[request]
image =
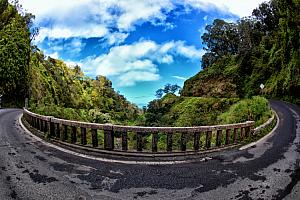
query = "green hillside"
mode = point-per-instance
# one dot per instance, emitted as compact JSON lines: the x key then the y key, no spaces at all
{"x":61,"y":91}
{"x":261,"y":49}
{"x":172,"y":110}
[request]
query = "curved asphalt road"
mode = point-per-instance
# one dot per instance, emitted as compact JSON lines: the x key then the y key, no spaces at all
{"x":270,"y":170}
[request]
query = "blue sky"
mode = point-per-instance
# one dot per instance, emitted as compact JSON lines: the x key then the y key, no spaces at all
{"x":140,"y":45}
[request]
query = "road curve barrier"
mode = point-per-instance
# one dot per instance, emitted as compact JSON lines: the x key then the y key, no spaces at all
{"x":112,"y":141}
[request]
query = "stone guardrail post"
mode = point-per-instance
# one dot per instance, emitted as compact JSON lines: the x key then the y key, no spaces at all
{"x":108,"y":137}
{"x":52,"y":128}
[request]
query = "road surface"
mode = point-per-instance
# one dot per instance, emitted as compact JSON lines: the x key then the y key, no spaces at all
{"x":30,"y":169}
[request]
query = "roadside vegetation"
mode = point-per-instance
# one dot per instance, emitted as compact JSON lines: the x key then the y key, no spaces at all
{"x":15,"y":38}
{"x":255,"y":109}
{"x":172,"y":110}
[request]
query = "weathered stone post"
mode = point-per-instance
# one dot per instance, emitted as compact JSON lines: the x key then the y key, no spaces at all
{"x":208,"y":139}
{"x":108,"y":137}
{"x":139,"y":141}
{"x":247,"y":131}
{"x":219,"y":138}
{"x":227,"y":141}
{"x":45,"y":126}
{"x":242,"y":136}
{"x":83,"y":136}
{"x":124,"y":141}
{"x":94,"y":137}
{"x":74,"y":135}
{"x":154,"y":142}
{"x":235,"y":135}
{"x":52,"y":128}
{"x":57,"y":131}
{"x":196,"y":141}
{"x":65,"y":136}
{"x":169,"y":142}
{"x":183,"y":142}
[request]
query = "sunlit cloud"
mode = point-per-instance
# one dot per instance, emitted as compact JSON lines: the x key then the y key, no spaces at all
{"x":139,"y":62}
{"x":96,"y":18}
{"x":240,"y":8}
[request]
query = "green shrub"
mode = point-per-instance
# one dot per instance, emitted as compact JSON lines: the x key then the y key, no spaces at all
{"x":255,"y":109}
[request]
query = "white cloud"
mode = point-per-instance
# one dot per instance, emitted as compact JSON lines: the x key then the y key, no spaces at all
{"x":116,"y":38}
{"x":189,"y":51}
{"x":179,"y":77}
{"x":166,"y":59}
{"x":95,"y":18}
{"x":240,"y":8}
{"x":64,"y":32}
{"x":138,"y":62}
{"x":126,"y":58}
{"x":146,"y":10}
{"x":131,"y":77}
{"x":179,"y":48}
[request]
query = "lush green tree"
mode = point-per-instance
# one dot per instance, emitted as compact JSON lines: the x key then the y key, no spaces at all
{"x":168,"y":89}
{"x":3,"y":5}
{"x":249,"y":34}
{"x":14,"y":54}
{"x":159,"y":93}
{"x":267,"y":16}
{"x":221,"y":38}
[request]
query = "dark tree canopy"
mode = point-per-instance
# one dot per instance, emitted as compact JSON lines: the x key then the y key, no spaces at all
{"x":221,"y":38}
{"x":168,"y":88}
{"x":3,"y":5}
{"x":267,"y":16}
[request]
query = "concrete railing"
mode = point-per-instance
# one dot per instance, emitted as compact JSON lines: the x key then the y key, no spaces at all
{"x":202,"y":137}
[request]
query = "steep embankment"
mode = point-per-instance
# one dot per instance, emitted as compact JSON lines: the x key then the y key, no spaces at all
{"x":261,"y":49}
{"x":61,"y":91}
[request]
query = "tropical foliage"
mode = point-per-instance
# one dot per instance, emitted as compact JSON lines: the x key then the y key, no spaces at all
{"x":254,"y":109}
{"x":172,"y":110}
{"x":14,"y":53}
{"x":168,"y":88}
{"x":61,"y":91}
{"x":263,"y":48}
